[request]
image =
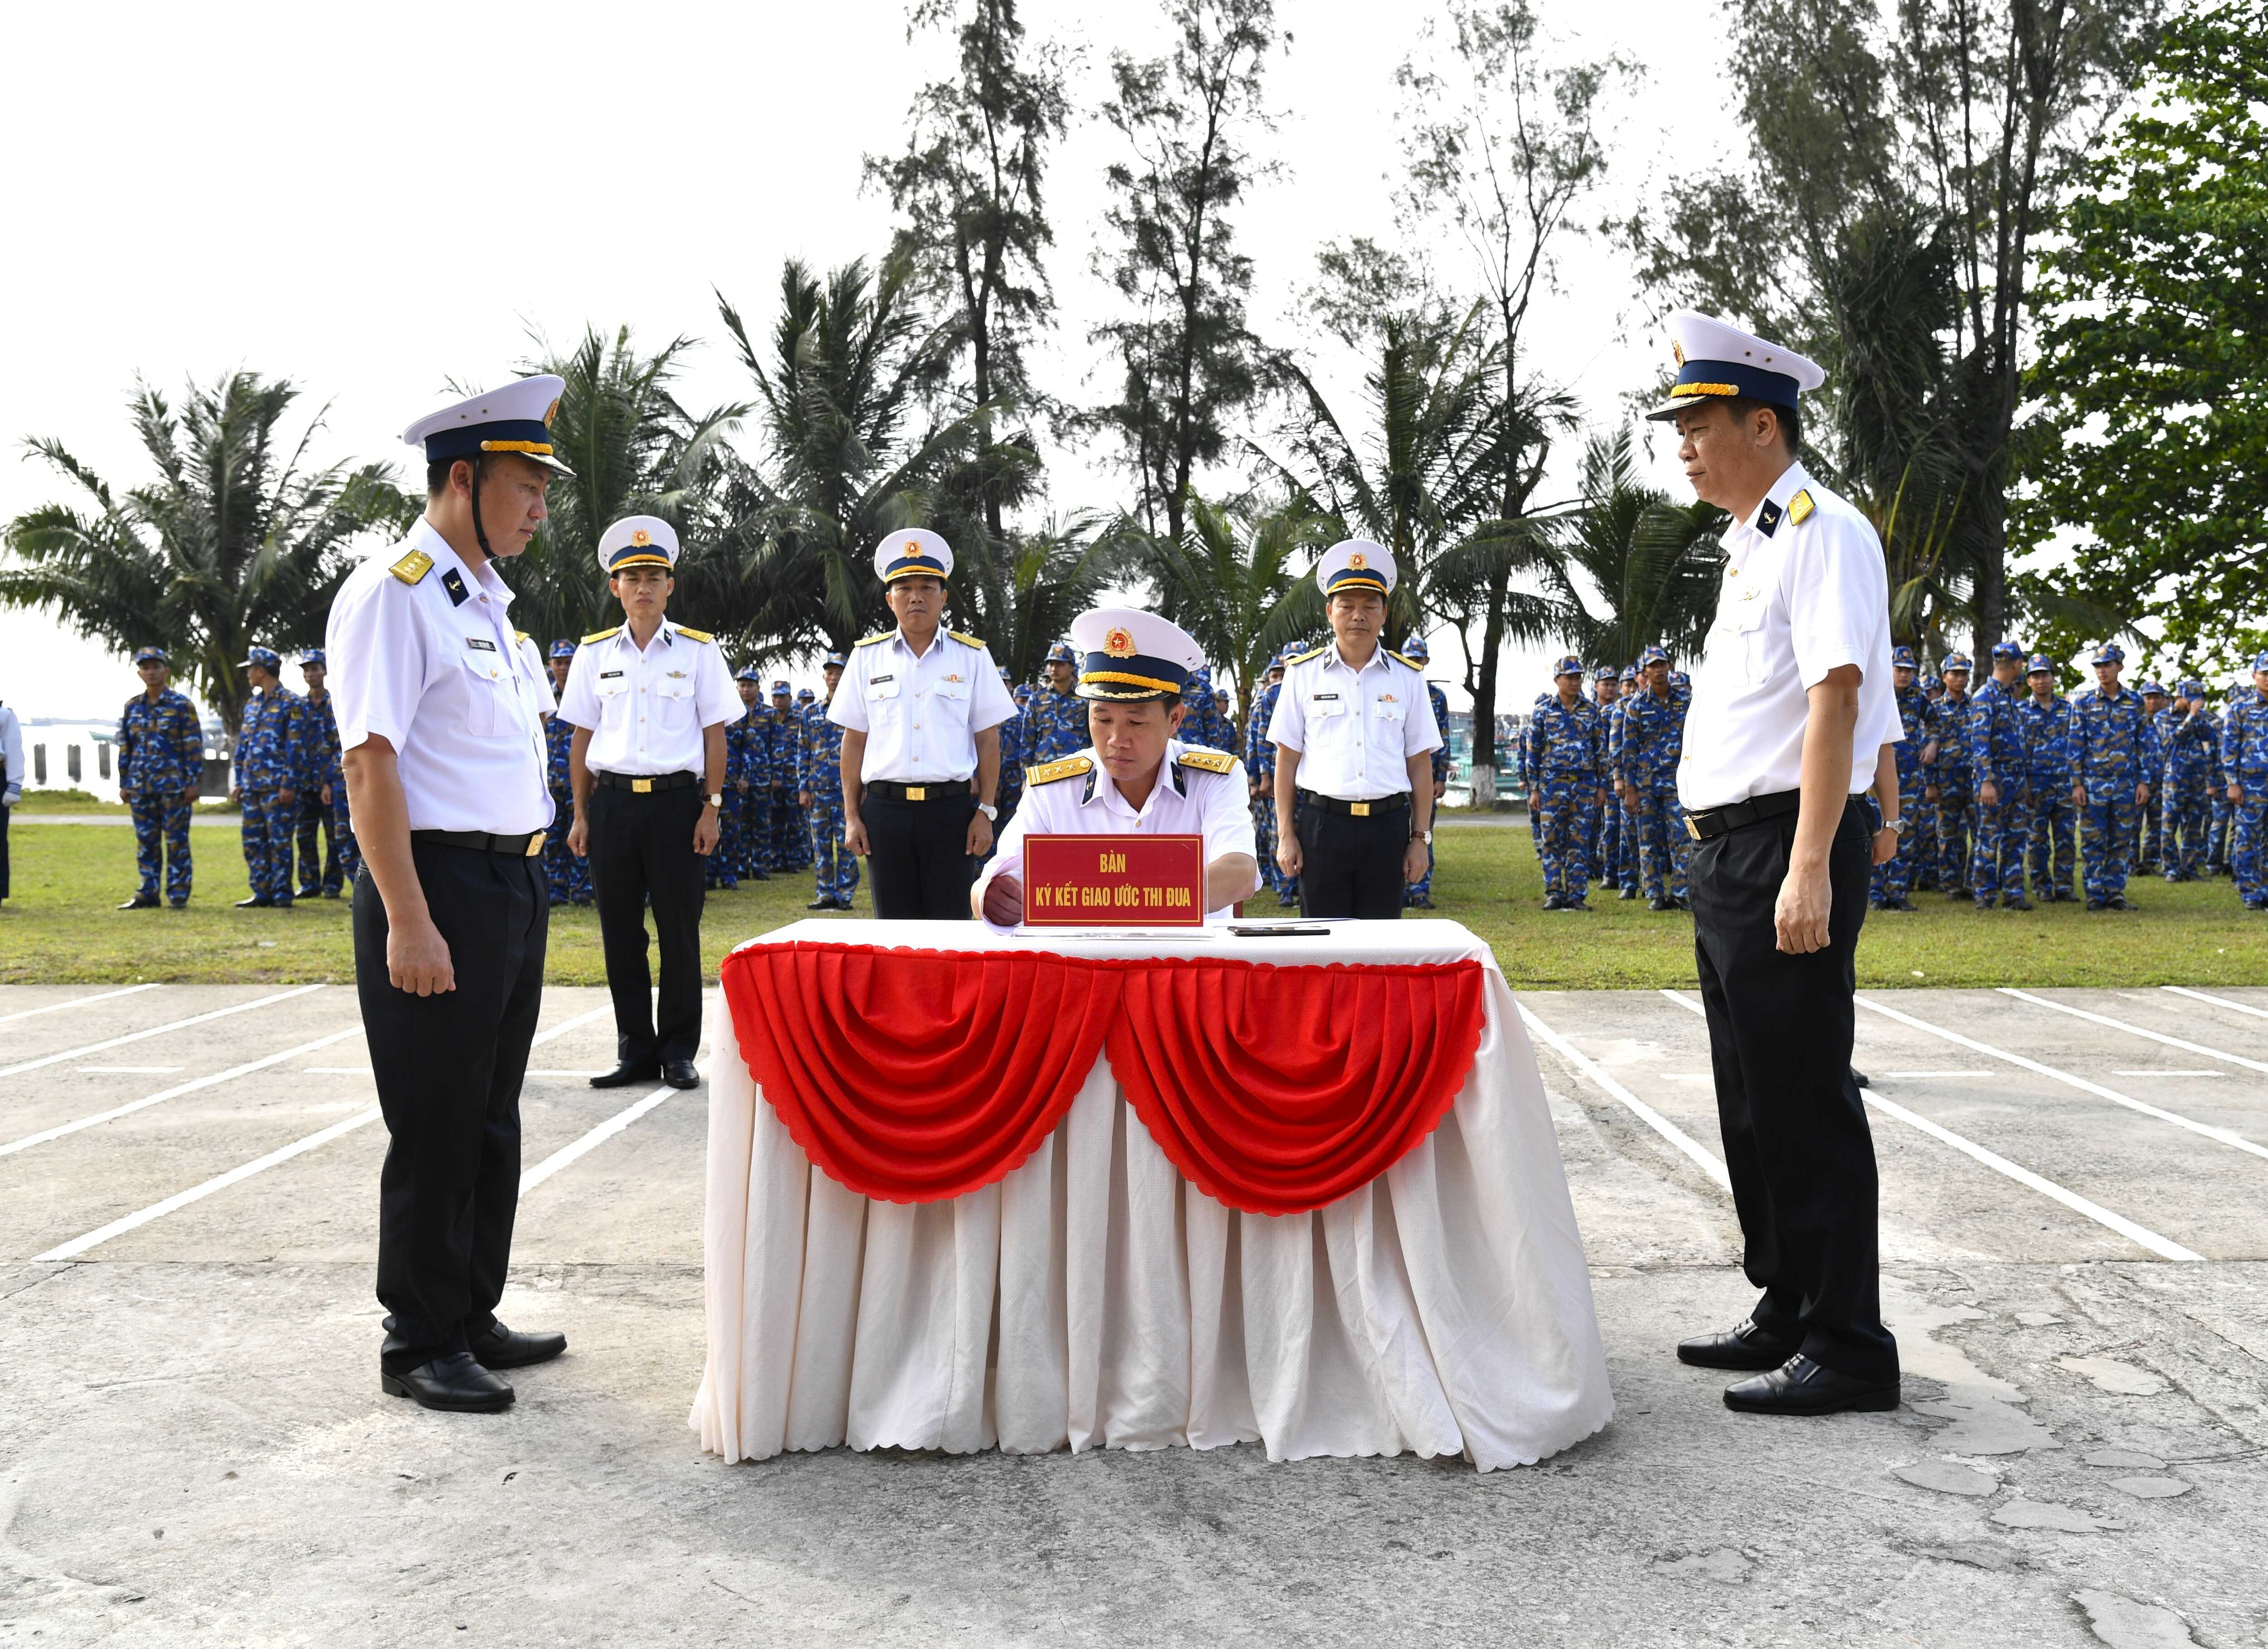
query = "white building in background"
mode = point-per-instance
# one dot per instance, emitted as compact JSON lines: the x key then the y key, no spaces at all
{"x":83,"y":755}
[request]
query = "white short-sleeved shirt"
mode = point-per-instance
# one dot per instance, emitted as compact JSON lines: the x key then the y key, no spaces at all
{"x":430,"y":663}
{"x":920,"y":713}
{"x":1186,"y":800}
{"x":11,"y":747}
{"x":647,"y":707}
{"x":1798,"y":599}
{"x":534,"y":655}
{"x":1355,"y":730}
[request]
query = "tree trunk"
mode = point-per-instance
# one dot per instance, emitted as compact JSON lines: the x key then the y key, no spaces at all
{"x":1485,"y":704}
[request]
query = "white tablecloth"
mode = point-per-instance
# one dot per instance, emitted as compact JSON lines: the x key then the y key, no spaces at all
{"x":1094,"y":1299}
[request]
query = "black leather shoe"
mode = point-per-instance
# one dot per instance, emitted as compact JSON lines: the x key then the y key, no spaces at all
{"x":1630,"y":891}
{"x":1553,"y":901}
{"x":623,"y":1075}
{"x":1803,"y":1387}
{"x":757,"y":876}
{"x":1859,"y":1078}
{"x":820,"y":904}
{"x":255,"y":903}
{"x":2016,"y":901}
{"x":456,"y":1383}
{"x":1660,"y":904}
{"x":2119,"y":901}
{"x":1575,"y":904}
{"x":1747,"y":1346}
{"x":680,"y":1073}
{"x":503,"y":1348}
{"x":141,"y":901}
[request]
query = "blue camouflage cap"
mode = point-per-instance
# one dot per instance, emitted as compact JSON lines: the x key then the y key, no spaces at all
{"x":1569,"y":666}
{"x":779,"y":688}
{"x":1004,"y":676}
{"x":746,"y":673}
{"x":562,"y":648}
{"x":2108,"y":652}
{"x":1605,"y":672}
{"x":1416,"y":648}
{"x":2040,"y":665}
{"x":1630,"y":672}
{"x":266,"y":657}
{"x":1061,"y":654}
{"x":2007,"y":650}
{"x":314,"y":655}
{"x":2260,"y":664}
{"x":1953,"y":661}
{"x":1902,"y":659}
{"x":2154,"y":690}
{"x":833,"y":662}
{"x":150,"y":655}
{"x":1653,"y":655}
{"x":2190,"y":687}
{"x":805,"y":696}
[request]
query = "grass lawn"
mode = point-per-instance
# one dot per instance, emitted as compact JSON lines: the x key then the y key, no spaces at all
{"x":61,"y":927}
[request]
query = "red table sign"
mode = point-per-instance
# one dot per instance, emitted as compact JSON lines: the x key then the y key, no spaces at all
{"x":1103,"y":881}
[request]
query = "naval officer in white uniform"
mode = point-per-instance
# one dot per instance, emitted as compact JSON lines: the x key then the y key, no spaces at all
{"x":649,"y":700}
{"x":440,"y":719}
{"x":1792,"y":702}
{"x":1135,"y":777}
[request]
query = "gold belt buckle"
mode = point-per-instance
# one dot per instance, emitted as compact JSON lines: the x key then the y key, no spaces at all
{"x":1359,"y":809}
{"x":1692,"y":829}
{"x":641,"y":785}
{"x":916,"y":792}
{"x":535,"y":843}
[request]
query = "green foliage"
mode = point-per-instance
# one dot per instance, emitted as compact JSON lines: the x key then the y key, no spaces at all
{"x":1656,"y":565}
{"x":234,"y":545}
{"x":2150,"y":447}
{"x":1230,"y":581}
{"x":1021,"y":594}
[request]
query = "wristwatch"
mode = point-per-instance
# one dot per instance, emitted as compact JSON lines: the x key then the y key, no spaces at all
{"x":1426,"y":836}
{"x":1898,"y":824}
{"x":988,"y":811}
{"x":715,"y":798}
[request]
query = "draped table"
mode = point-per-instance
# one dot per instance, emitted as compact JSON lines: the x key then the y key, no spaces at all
{"x":970,"y":1188}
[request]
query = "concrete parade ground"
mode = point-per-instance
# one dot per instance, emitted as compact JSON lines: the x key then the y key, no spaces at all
{"x":194,"y":1449}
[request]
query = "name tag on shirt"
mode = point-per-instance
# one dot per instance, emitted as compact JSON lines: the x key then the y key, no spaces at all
{"x":608,"y":676}
{"x":877,"y":681}
{"x":485,"y":646}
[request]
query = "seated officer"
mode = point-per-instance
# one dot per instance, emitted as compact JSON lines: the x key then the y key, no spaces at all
{"x":1135,"y":777}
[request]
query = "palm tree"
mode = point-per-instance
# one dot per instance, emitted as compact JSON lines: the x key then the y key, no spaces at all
{"x":1232,"y":581}
{"x":235,"y":544}
{"x":634,"y":451}
{"x":1023,"y":598}
{"x":1655,"y":565}
{"x":837,"y":392}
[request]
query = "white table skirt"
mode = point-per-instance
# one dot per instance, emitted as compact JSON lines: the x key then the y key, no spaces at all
{"x":1094,"y":1298}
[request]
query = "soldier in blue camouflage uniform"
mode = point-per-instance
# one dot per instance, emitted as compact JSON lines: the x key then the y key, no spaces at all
{"x":2156,"y":710}
{"x":2051,"y":768}
{"x":1607,"y":837}
{"x":324,"y":874}
{"x":2224,"y":810}
{"x":2116,"y":753}
{"x":1012,"y":764}
{"x":2192,"y":742}
{"x":1567,"y":771}
{"x":1996,"y":760}
{"x":791,"y":840}
{"x":270,"y":770}
{"x":1951,"y":778}
{"x":1259,"y":772}
{"x":819,"y":787}
{"x":2244,"y":760}
{"x":1893,"y":878}
{"x":1055,"y":722}
{"x":161,"y":756}
{"x":1203,"y":722}
{"x":1632,"y":881}
{"x":568,"y":877}
{"x":1419,"y":895}
{"x":1646,"y":773}
{"x":749,"y":784}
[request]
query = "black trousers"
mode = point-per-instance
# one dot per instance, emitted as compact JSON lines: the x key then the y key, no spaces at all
{"x":918,"y":853}
{"x":1796,"y":1141}
{"x":641,"y":853}
{"x":318,"y":875}
{"x":1350,"y":866}
{"x":4,"y":812}
{"x":448,"y":1069}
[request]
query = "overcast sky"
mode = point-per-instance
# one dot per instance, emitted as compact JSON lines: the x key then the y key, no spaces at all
{"x":371,"y":207}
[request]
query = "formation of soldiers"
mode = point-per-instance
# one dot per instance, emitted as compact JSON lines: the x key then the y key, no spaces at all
{"x":2013,"y":793}
{"x":1600,"y":771}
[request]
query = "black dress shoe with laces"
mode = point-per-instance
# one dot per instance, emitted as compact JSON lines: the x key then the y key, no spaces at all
{"x":1747,"y":1346}
{"x":506,"y":1348}
{"x":2119,"y":901}
{"x":141,"y":901}
{"x":629,"y":1072}
{"x":820,"y":904}
{"x":255,"y":903}
{"x":1803,"y":1387}
{"x":680,"y":1073}
{"x":455,"y":1383}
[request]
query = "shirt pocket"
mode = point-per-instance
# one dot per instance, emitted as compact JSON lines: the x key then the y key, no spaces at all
{"x":1747,"y":631}
{"x":673,"y":702}
{"x":952,"y":702}
{"x":1330,"y":727}
{"x":491,"y":703}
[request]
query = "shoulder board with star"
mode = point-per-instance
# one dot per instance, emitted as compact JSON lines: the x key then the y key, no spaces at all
{"x":600,"y":635}
{"x":694,"y":635}
{"x":1405,"y":658}
{"x":965,"y":640}
{"x":412,"y":567}
{"x":1049,"y":772}
{"x":876,"y":641}
{"x":1800,"y":506}
{"x":1303,"y":656}
{"x":1211,"y":761}
{"x":519,"y":635}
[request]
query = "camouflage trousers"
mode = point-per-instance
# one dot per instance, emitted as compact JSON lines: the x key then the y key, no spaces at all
{"x":161,"y":841}
{"x":722,"y":867}
{"x":2107,"y":838}
{"x":791,"y":840}
{"x":1956,"y":829}
{"x":568,"y":877}
{"x":2053,"y":849}
{"x":1663,"y":846}
{"x":2188,"y":818}
{"x":2003,"y":832}
{"x":1565,"y":813}
{"x":268,"y":825}
{"x":324,"y":873}
{"x":2247,"y":841}
{"x":834,"y":868}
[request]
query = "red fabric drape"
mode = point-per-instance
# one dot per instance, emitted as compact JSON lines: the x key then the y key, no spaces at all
{"x":914,"y":1076}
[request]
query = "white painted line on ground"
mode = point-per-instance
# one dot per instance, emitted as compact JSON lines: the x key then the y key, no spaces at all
{"x":1684,"y":1076}
{"x":156,"y":1030}
{"x":129,"y":1071}
{"x":565,"y":1026}
{"x":174,"y":1093}
{"x":2218,"y":1002}
{"x":335,"y":1071}
{"x":2140,"y":1235}
{"x":1638,"y":1107}
{"x":597,"y":1137}
{"x":76,"y":1001}
{"x":1924,"y":1076}
{"x":2206,"y":1129}
{"x":2170,"y":1073}
{"x":2137,"y":1030}
{"x":78,"y":1246}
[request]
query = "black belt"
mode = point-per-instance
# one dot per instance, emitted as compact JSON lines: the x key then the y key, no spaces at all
{"x":934,"y":790}
{"x":1356,"y":809}
{"x":644,"y":782}
{"x":526,"y":845}
{"x":1709,"y":822}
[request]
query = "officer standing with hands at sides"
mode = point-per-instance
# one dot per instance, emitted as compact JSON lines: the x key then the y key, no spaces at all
{"x":1135,"y":777}
{"x":441,"y":724}
{"x":920,"y":708}
{"x":1793,"y":708}
{"x":161,"y":756}
{"x":649,"y":701}
{"x":1354,"y":738}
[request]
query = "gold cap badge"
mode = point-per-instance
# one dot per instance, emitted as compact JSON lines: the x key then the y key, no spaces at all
{"x":1677,"y":353}
{"x":551,"y":412}
{"x":1357,"y":562}
{"x":1118,"y":643}
{"x":641,"y":537}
